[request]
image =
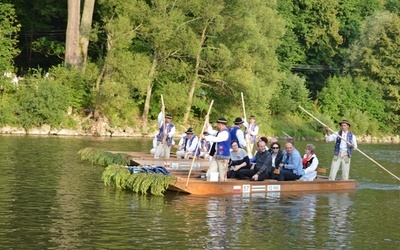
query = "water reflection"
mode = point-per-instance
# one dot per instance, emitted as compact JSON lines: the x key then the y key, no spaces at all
{"x":216,"y":222}
{"x":340,"y":227}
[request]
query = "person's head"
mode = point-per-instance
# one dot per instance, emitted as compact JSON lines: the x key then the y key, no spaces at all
{"x":345,"y":125}
{"x":189,"y":133}
{"x":252,"y":119}
{"x":264,"y":139}
{"x":273,"y":140}
{"x":235,"y":145}
{"x":221,"y":123}
{"x":291,"y":140}
{"x":239,"y":121}
{"x":168,"y":118}
{"x":289,"y":147}
{"x":310,"y":149}
{"x":275,"y":147}
{"x":261,"y":146}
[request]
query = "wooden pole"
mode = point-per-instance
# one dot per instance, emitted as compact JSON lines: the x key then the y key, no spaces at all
{"x":246,"y":138}
{"x":198,"y":143}
{"x":164,"y":140}
{"x":379,"y":165}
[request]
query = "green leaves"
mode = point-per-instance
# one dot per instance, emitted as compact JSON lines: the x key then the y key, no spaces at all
{"x":120,"y":177}
{"x":9,"y":28}
{"x":103,"y":158}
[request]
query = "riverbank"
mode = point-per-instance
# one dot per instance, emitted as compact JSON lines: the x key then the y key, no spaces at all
{"x":106,"y":131}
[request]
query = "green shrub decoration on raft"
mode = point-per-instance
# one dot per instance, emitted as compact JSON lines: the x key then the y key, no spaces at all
{"x":103,"y":158}
{"x":120,"y":177}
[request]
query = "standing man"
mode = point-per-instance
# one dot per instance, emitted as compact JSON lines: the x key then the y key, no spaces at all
{"x":164,"y":137}
{"x":342,"y":150}
{"x":251,"y":131}
{"x":237,"y":133}
{"x":219,"y":151}
{"x":187,"y":145}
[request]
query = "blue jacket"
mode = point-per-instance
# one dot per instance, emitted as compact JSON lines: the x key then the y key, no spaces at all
{"x":293,"y":162}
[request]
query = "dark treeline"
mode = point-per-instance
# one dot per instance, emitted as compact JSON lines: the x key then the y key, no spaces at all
{"x":80,"y":62}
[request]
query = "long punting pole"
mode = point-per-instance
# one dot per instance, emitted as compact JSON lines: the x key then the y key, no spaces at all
{"x":379,"y":165}
{"x":198,"y":142}
{"x":164,"y":140}
{"x":247,"y":139}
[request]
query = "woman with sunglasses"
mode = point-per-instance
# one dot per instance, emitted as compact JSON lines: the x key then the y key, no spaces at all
{"x":276,"y":153}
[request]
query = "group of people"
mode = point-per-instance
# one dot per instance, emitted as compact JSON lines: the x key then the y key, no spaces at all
{"x":225,"y":147}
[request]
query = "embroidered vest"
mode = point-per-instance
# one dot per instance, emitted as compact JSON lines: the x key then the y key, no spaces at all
{"x":338,"y":140}
{"x":252,"y":128}
{"x":160,"y":134}
{"x":186,"y":141}
{"x":232,"y":132}
{"x":203,"y":144}
{"x":221,"y":150}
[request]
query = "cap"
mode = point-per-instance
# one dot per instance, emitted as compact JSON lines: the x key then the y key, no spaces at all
{"x":344,"y":121}
{"x":238,"y":120}
{"x":189,"y":131}
{"x":222,"y":120}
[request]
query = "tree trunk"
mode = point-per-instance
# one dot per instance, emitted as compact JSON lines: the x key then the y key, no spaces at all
{"x":72,"y":55}
{"x":152,"y":72}
{"x":195,"y":77}
{"x":86,"y":24}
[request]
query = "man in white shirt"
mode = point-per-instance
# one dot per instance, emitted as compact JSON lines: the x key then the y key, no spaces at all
{"x":342,"y":151}
{"x":251,"y":131}
{"x":187,"y":145}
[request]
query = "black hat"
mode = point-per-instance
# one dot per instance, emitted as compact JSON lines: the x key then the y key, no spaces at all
{"x":168,"y":116}
{"x":189,"y":131}
{"x":344,"y":121}
{"x":238,"y":121}
{"x":222,"y":120}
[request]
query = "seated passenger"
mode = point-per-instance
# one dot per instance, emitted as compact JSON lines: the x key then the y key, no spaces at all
{"x":187,"y":145}
{"x":277,"y":156}
{"x":310,"y":164}
{"x":204,"y":148}
{"x":264,"y":139}
{"x":291,"y":167}
{"x":263,"y":168}
{"x":239,"y":160}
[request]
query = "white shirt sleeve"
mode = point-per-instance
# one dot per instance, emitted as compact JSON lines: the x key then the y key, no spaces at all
{"x":222,"y":136}
{"x":211,"y":131}
{"x":240,"y":136}
{"x":160,"y":119}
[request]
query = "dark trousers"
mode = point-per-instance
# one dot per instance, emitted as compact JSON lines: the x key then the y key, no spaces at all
{"x":287,"y":175}
{"x":243,"y":173}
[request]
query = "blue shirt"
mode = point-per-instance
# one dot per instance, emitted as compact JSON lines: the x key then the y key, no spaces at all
{"x":293,"y":161}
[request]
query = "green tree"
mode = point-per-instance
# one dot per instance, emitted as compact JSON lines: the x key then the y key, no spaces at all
{"x":347,"y":97}
{"x":376,"y":55}
{"x":9,"y":28}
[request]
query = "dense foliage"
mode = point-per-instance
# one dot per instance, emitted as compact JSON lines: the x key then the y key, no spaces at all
{"x":338,"y":59}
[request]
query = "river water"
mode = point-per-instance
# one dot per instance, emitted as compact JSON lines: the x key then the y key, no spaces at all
{"x":50,"y":199}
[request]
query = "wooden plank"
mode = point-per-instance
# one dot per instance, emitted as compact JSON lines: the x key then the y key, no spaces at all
{"x":201,"y":187}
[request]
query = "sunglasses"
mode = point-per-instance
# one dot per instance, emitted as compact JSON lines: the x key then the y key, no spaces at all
{"x":275,"y":147}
